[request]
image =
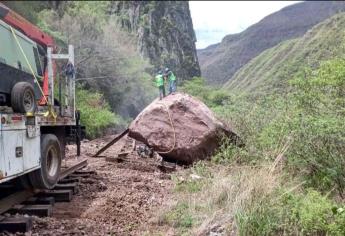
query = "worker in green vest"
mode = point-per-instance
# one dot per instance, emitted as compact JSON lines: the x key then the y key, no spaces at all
{"x":160,"y":84}
{"x":172,"y":80}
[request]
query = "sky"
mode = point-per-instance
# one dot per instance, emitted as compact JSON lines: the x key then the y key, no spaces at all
{"x":212,"y":20}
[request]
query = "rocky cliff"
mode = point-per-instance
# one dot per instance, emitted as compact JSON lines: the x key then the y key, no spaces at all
{"x":221,"y":61}
{"x":165,"y":33}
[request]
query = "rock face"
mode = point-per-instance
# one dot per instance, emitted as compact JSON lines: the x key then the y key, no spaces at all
{"x":221,"y":61}
{"x":180,"y":128}
{"x":165,"y":33}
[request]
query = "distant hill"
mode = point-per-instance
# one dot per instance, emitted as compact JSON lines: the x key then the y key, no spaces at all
{"x":275,"y":66}
{"x":221,"y":61}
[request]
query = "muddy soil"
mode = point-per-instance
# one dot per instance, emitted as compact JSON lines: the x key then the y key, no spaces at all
{"x":120,"y":199}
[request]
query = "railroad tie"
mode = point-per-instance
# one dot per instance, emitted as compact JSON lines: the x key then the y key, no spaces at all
{"x":15,"y":224}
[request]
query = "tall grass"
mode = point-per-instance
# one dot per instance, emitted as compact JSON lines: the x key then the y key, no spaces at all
{"x":288,"y":179}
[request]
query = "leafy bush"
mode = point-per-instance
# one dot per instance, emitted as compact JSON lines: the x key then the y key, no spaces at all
{"x":292,"y":214}
{"x":27,"y":9}
{"x":303,"y":129}
{"x":308,"y":121}
{"x":319,"y":145}
{"x":210,"y":96}
{"x":95,"y":112}
{"x":106,"y":57}
{"x":197,"y":88}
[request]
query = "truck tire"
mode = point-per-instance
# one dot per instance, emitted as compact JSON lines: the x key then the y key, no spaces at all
{"x":51,"y":155}
{"x":23,"y":98}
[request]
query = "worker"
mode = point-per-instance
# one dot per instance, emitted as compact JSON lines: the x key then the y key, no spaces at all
{"x":160,"y":84}
{"x":69,"y":70}
{"x":172,"y":80}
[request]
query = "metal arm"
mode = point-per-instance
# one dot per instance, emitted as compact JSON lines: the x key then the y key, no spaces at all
{"x":69,"y":82}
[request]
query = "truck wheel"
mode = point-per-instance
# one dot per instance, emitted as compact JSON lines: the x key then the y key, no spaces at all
{"x":48,"y":175}
{"x":23,"y":98}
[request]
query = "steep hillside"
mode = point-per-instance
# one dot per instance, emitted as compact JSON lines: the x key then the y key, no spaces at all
{"x":163,"y":29}
{"x":221,"y":61}
{"x":165,"y":33}
{"x":272,"y":68}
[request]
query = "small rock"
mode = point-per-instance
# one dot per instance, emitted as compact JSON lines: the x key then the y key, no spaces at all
{"x":194,"y":176}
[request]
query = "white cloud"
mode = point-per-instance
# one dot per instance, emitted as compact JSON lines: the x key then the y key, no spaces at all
{"x":212,"y":20}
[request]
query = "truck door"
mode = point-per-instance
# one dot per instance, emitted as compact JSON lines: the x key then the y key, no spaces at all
{"x":11,"y":144}
{"x":32,"y":150}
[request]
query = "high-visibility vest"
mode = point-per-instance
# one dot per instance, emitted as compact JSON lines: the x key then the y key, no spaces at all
{"x":159,"y":80}
{"x":171,"y":76}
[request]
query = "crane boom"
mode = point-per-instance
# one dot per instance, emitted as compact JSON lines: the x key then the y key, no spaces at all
{"x":27,"y":28}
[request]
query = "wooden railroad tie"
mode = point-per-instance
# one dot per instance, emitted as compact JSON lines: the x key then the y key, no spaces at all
{"x":40,"y":200}
{"x":39,"y":203}
{"x":58,"y":195}
{"x":69,"y":180}
{"x":37,"y":210}
{"x":15,"y":224}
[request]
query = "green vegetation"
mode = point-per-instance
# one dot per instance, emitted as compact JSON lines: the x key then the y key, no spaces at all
{"x":304,"y":130}
{"x":179,"y":217}
{"x":28,"y":9}
{"x":211,"y":96}
{"x":95,"y":112}
{"x":287,"y":104}
{"x":289,"y":178}
{"x":107,"y":62}
{"x":309,"y":213}
{"x":271,"y":70}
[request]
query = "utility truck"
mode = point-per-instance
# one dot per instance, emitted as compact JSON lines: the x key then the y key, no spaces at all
{"x":34,"y":125}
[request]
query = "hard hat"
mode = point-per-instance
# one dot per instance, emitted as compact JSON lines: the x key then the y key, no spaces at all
{"x":159,"y":72}
{"x":166,"y":69}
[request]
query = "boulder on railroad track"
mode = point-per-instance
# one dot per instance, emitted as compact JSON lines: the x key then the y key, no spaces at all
{"x":180,"y":128}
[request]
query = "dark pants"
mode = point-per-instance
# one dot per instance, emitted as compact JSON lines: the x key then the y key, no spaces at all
{"x":161,"y":91}
{"x":172,"y":86}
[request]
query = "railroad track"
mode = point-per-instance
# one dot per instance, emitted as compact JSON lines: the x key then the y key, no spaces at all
{"x":128,"y":147}
{"x":24,"y":203}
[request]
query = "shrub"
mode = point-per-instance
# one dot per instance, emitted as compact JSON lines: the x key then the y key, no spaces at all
{"x":95,"y":112}
{"x":292,"y":214}
{"x":106,"y":56}
{"x":309,"y":120}
{"x":211,"y":96}
{"x":320,"y":144}
{"x":196,"y":87}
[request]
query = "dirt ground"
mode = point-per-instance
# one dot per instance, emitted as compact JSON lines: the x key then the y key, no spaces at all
{"x":120,"y":199}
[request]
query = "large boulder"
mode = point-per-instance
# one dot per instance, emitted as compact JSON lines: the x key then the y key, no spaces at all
{"x":180,"y":128}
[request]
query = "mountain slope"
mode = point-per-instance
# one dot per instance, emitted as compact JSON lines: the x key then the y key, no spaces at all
{"x":272,"y":68}
{"x":220,"y":62}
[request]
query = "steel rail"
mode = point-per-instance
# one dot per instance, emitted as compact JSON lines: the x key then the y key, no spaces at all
{"x":64,"y":173}
{"x":112,"y":142}
{"x":16,"y":198}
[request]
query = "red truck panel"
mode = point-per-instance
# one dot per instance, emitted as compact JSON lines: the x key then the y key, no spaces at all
{"x":21,"y":24}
